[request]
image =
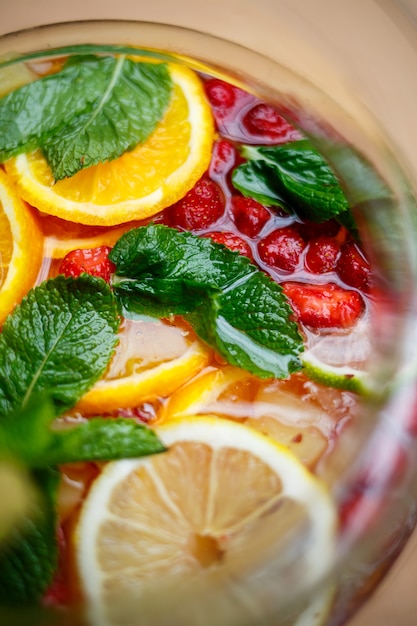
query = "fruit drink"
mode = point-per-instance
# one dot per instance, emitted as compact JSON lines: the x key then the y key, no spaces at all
{"x":186,"y":309}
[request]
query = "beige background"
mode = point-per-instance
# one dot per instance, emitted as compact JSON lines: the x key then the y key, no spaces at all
{"x":395,"y":603}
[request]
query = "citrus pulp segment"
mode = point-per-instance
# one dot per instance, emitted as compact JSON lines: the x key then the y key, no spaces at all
{"x":152,"y":360}
{"x":141,"y":182}
{"x":222,"y":501}
{"x":21,"y":245}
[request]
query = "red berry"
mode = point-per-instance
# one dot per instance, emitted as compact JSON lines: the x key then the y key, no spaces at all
{"x":264,"y":121}
{"x":249,"y":215}
{"x":324,"y":306}
{"x":223,"y":158}
{"x":321,"y":255}
{"x":312,"y":230}
{"x":199,"y":208}
{"x":94,"y":261}
{"x":231,"y":241}
{"x":353,"y":268}
{"x":282,"y":248}
{"x":219,"y":93}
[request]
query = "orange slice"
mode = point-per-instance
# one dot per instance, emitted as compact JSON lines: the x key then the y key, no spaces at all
{"x":21,"y":246}
{"x":141,"y":182}
{"x":191,"y":535}
{"x":271,"y":408}
{"x":152,"y":360}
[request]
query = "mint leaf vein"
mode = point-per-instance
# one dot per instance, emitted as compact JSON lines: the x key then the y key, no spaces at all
{"x":92,"y":111}
{"x":231,"y":304}
{"x":293,"y":176}
{"x":60,"y":338}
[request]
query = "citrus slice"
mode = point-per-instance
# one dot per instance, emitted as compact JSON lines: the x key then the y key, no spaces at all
{"x":215,"y":519}
{"x":141,"y":182}
{"x":62,"y":236}
{"x":152,"y":360}
{"x":339,"y":359}
{"x":21,"y":245}
{"x":284,"y":410}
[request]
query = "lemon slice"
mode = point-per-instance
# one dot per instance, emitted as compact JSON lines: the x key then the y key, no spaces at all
{"x":21,"y":246}
{"x":152,"y":360}
{"x":218,"y":514}
{"x":141,"y":182}
{"x":339,"y":359}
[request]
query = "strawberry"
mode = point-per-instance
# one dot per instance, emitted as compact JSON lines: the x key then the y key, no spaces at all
{"x":249,"y":215}
{"x":324,"y":306}
{"x":94,"y":261}
{"x":282,"y":248}
{"x":199,"y":208}
{"x":322,"y":254}
{"x":353,"y":268}
{"x":231,"y":241}
{"x":223,"y":158}
{"x":263,"y":121}
{"x":219,"y":93}
{"x":312,"y":230}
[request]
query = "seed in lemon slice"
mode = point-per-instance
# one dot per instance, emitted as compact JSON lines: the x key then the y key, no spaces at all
{"x":339,"y":359}
{"x":152,"y":360}
{"x":272,"y":408}
{"x":21,"y":246}
{"x":224,"y":511}
{"x":141,"y":182}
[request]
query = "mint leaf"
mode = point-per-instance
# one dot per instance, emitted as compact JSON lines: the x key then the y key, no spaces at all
{"x":232,"y":305}
{"x":29,"y":556}
{"x":91,"y":111}
{"x":294,"y":176}
{"x":60,"y":338}
{"x":27,"y":436}
{"x":101,"y":439}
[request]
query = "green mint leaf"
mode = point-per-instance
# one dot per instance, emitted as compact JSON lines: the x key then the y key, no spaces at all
{"x":91,"y":111}
{"x":258,"y":180}
{"x":29,"y":555}
{"x":294,"y":176}
{"x":160,"y":295}
{"x":249,"y":326}
{"x":60,"y":339}
{"x":163,"y":253}
{"x":101,"y":439}
{"x":26,"y":435}
{"x":232,"y":305}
